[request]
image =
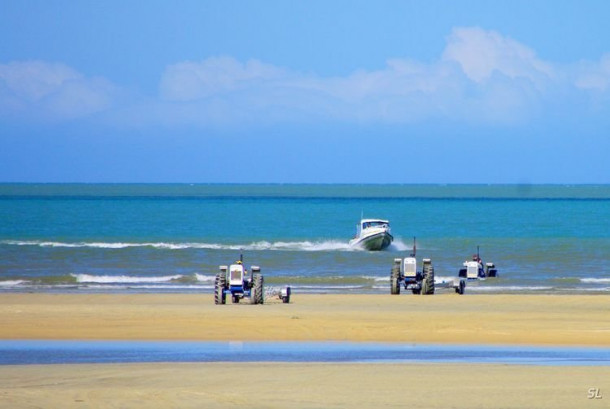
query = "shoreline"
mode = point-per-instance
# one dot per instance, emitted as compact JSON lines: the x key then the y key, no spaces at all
{"x":559,"y":320}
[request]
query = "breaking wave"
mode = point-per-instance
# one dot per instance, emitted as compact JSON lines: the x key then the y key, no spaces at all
{"x":12,"y":283}
{"x":595,"y":280}
{"x":327,"y":245}
{"x":125,"y":279}
{"x":305,"y":245}
{"x":105,"y":279}
{"x":508,"y":288}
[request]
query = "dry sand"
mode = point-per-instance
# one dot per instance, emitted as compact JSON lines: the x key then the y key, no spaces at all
{"x":442,"y":318}
{"x":264,"y":385}
{"x":446,"y":318}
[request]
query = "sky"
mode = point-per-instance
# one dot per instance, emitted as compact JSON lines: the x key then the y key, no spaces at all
{"x":318,"y":91}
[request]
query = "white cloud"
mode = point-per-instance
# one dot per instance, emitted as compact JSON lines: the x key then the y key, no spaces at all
{"x":594,"y":76}
{"x":482,"y":77}
{"x":220,"y":90}
{"x":33,"y":80}
{"x":38,"y":89}
{"x":480,"y":53}
{"x":187,"y":81}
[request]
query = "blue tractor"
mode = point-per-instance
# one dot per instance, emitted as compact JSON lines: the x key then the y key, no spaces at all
{"x":235,"y":281}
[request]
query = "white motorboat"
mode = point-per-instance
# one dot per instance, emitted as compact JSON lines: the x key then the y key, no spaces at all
{"x":372,"y":234}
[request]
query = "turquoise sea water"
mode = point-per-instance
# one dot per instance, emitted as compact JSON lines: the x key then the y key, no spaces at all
{"x":159,"y":238}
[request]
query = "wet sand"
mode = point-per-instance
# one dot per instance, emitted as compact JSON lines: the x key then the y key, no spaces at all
{"x":444,"y":318}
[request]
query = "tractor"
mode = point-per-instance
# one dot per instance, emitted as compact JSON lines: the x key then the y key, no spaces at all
{"x":234,"y":280}
{"x":475,"y":268}
{"x":404,"y":274}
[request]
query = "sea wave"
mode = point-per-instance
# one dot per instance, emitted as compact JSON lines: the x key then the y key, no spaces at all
{"x":198,"y":279}
{"x":325,"y":245}
{"x":112,"y":282}
{"x":174,"y":287}
{"x":126,"y":279}
{"x":107,"y":279}
{"x":329,"y":245}
{"x":507,"y":288}
{"x":12,"y":283}
{"x":595,"y":280}
{"x":106,"y":245}
{"x":377,"y":278}
{"x":399,"y":245}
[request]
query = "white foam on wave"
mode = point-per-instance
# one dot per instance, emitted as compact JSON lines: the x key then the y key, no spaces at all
{"x":151,"y":287}
{"x":125,"y":279}
{"x":299,"y":246}
{"x":12,"y":283}
{"x":437,"y":279}
{"x":105,"y":279}
{"x":205,"y":278}
{"x":176,"y":287}
{"x":399,"y":245}
{"x":327,"y":245}
{"x":100,"y":245}
{"x":507,"y":288}
{"x":597,"y":289}
{"x":377,"y":278}
{"x":595,"y":280}
{"x":325,"y":287}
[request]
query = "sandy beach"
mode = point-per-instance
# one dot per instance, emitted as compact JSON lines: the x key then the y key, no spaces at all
{"x":265,"y":385}
{"x":444,"y":318}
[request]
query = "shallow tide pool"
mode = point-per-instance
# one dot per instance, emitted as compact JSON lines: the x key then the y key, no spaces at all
{"x":27,"y":352}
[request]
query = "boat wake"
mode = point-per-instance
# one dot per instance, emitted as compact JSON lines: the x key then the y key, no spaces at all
{"x":325,"y":245}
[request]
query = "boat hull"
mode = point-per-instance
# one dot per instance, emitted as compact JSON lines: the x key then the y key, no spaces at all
{"x":373,"y":242}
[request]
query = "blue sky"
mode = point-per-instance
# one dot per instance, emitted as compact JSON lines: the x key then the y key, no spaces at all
{"x":305,"y":91}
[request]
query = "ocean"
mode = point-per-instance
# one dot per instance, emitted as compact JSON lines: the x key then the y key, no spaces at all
{"x":80,"y":238}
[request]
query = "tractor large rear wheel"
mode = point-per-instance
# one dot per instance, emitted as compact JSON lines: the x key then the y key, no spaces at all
{"x":256,"y":296}
{"x":428,"y":284}
{"x":395,"y":282}
{"x":219,"y":287}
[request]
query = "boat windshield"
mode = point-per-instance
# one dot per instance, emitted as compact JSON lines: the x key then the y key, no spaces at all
{"x":375,"y":223}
